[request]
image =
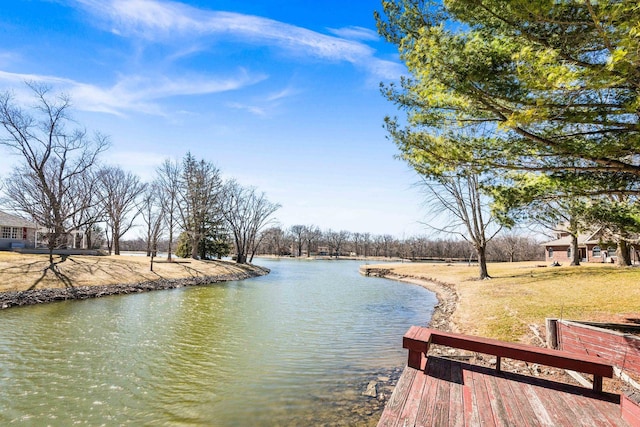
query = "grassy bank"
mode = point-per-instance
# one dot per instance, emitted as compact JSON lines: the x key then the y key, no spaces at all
{"x":524,"y":294}
{"x":19,"y":272}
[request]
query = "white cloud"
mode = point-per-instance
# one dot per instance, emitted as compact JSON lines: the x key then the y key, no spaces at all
{"x":133,"y":93}
{"x":355,"y":33}
{"x":267,"y":105}
{"x":253,"y":109}
{"x":167,"y":21}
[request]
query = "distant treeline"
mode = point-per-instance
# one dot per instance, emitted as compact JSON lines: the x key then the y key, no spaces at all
{"x":303,"y":241}
{"x":311,"y":241}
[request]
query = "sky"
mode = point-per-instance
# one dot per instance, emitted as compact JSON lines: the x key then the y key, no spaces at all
{"x":281,"y":95}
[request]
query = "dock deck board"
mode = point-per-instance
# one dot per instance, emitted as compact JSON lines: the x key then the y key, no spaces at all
{"x":452,"y":393}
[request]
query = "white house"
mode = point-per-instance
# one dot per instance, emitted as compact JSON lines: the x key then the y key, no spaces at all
{"x":16,"y":232}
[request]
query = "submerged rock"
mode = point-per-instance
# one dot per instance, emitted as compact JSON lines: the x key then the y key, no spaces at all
{"x":371,"y":390}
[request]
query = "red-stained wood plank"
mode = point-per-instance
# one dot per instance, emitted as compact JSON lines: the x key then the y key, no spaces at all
{"x":630,"y":411}
{"x":514,"y":391}
{"x":589,"y":411}
{"x":509,"y":406}
{"x":622,"y":350}
{"x":426,"y":413}
{"x":393,"y":408}
{"x":500,"y":415}
{"x":604,"y":412}
{"x":471,"y":416}
{"x":574,"y":414}
{"x":554,"y":407}
{"x":485,"y":413}
{"x":413,"y":401}
{"x":537,"y":406}
{"x":441,"y":409}
{"x":456,"y":401}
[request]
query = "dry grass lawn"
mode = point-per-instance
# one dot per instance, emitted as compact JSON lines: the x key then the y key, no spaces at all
{"x":522,"y":294}
{"x":28,"y":271}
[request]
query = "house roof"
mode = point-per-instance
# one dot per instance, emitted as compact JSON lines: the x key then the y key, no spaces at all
{"x":591,"y":238}
{"x":8,"y":220}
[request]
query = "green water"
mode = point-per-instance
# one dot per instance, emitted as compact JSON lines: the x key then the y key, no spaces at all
{"x":296,"y":347}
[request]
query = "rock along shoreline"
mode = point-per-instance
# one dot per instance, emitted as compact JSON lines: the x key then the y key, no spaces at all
{"x":445,"y":293}
{"x":42,"y":296}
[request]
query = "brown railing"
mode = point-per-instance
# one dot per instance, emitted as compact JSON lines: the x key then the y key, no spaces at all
{"x":417,"y":341}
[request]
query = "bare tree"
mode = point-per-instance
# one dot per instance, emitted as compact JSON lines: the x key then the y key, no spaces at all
{"x":366,"y":241}
{"x":298,"y":232}
{"x":273,"y":241}
{"x":151,"y":212}
{"x":54,"y":160}
{"x":311,"y":237}
{"x":89,"y":210}
{"x":246,"y":212}
{"x":120,"y":192}
{"x":168,"y":184}
{"x":458,"y":197}
{"x":337,"y":239}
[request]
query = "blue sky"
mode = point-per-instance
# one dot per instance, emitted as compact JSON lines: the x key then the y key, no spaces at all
{"x":281,"y":95}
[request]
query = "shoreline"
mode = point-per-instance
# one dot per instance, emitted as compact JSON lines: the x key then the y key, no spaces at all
{"x":11,"y":299}
{"x":446,"y":294}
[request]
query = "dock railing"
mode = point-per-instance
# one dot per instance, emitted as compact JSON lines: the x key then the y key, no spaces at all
{"x":418,"y":339}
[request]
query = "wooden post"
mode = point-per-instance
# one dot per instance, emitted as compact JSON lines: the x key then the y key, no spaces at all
{"x":597,"y":383}
{"x":552,"y":332}
{"x":415,"y":359}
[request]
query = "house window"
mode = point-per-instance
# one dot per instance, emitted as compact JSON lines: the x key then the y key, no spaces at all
{"x":569,"y":253}
{"x":611,"y":251}
{"x":11,"y":232}
{"x":550,"y":252}
{"x":596,"y":251}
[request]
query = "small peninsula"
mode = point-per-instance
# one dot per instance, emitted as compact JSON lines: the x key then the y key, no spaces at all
{"x":30,"y":279}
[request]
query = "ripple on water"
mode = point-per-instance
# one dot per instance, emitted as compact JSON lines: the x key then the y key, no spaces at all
{"x":297,"y":345}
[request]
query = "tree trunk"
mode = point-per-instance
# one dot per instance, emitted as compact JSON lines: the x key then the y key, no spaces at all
{"x":116,"y":240}
{"x":149,"y":238}
{"x":482,"y":262}
{"x":623,"y":253}
{"x":170,"y":239}
{"x":575,"y":253}
{"x":195,"y":242}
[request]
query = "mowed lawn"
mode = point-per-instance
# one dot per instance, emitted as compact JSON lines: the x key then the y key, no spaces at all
{"x":522,"y":294}
{"x":19,"y":272}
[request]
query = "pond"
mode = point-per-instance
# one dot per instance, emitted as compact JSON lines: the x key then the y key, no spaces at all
{"x":295,"y":347}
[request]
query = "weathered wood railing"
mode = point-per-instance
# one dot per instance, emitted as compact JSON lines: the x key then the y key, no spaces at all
{"x":417,"y":341}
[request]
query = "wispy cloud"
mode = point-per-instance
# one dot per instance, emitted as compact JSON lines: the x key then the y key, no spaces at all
{"x":165,"y":21}
{"x":133,"y":93}
{"x":267,"y":105}
{"x":355,"y":33}
{"x":253,"y":109}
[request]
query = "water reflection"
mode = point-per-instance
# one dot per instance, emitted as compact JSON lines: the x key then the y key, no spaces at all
{"x":295,"y":346}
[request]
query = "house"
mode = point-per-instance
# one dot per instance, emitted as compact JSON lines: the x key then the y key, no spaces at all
{"x":323,"y":251}
{"x":590,"y":247}
{"x":16,"y":232}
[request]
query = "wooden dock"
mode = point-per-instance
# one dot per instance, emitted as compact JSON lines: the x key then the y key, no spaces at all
{"x":443,"y":392}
